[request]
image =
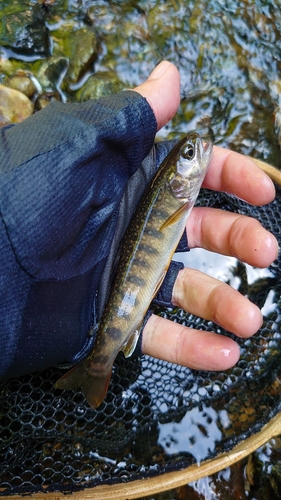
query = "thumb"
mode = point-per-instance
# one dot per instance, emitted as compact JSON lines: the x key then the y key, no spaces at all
{"x":162,"y":91}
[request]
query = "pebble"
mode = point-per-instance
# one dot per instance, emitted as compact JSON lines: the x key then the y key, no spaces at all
{"x":14,"y":106}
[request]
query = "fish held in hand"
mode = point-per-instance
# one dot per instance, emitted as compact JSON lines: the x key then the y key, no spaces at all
{"x":147,"y":249}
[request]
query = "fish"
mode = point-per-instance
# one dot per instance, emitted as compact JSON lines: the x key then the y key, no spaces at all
{"x":146,"y":252}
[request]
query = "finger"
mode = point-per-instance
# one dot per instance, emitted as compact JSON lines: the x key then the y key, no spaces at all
{"x":236,"y":174}
{"x":162,"y":91}
{"x":196,"y":349}
{"x":216,"y":301}
{"x":231,"y":234}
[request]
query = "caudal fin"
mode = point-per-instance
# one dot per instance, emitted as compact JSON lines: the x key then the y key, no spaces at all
{"x":94,"y":388}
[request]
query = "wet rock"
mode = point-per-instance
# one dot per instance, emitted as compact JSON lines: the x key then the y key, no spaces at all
{"x":47,"y":4}
{"x":101,"y":84}
{"x":52,"y":71}
{"x":6,"y":66}
{"x":45,"y":99}
{"x":22,"y":81}
{"x":25,"y":31}
{"x":14,"y":106}
{"x":84,"y":51}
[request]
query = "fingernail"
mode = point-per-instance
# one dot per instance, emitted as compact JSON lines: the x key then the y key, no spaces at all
{"x":272,"y":241}
{"x":277,"y":246}
{"x":160,"y":70}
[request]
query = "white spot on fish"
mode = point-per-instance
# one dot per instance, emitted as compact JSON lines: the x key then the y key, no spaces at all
{"x":128,"y":303}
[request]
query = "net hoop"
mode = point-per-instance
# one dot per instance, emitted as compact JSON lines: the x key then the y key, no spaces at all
{"x":170,"y":480}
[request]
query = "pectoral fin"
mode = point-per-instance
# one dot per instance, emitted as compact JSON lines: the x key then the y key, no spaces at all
{"x":175,"y":216}
{"x":129,"y":346}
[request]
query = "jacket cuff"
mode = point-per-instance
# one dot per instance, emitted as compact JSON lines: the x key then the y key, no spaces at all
{"x":138,"y":349}
{"x":164,"y":296}
{"x":183,"y":244}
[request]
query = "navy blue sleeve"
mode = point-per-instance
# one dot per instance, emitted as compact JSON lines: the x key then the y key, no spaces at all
{"x":63,"y":173}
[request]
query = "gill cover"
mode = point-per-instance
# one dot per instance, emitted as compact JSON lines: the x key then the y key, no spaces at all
{"x":191,"y":167}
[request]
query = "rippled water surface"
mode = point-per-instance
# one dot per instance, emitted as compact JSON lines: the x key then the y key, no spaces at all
{"x":228,"y":54}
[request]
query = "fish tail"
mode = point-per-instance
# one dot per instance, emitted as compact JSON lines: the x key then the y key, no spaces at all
{"x":93,"y":387}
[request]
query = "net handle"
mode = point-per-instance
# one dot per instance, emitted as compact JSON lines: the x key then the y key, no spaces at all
{"x":271,"y":171}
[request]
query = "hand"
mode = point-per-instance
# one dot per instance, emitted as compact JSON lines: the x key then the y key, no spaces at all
{"x":218,"y":231}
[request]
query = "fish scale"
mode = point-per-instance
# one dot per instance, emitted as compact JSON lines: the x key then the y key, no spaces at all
{"x":146,"y":252}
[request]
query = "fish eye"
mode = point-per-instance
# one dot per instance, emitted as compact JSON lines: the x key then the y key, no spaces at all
{"x":188,"y":152}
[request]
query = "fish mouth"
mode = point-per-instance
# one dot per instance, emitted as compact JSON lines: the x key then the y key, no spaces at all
{"x":206,"y":149}
{"x":207,"y":146}
{"x":203,"y":145}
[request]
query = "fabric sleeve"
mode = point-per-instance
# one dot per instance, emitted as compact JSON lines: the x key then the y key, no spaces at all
{"x":63,"y":172}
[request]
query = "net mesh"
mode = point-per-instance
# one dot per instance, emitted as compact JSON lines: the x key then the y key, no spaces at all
{"x":157,"y":416}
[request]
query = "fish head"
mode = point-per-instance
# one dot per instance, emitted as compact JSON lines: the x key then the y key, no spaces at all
{"x":190,"y":167}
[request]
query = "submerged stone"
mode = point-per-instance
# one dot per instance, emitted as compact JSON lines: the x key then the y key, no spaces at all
{"x":45,"y":99}
{"x":84,"y":51}
{"x":14,"y":106}
{"x":52,"y":71}
{"x":101,"y":84}
{"x":22,"y":82}
{"x":25,"y":32}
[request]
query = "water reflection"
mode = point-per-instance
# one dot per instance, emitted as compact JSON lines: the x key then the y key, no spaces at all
{"x":218,"y":266}
{"x":198,"y":432}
